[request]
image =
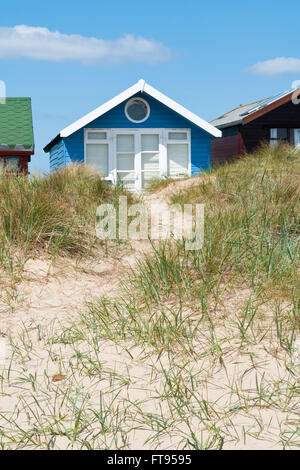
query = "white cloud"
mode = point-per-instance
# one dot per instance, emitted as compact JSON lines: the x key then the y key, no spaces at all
{"x":38,"y":43}
{"x":276,"y":66}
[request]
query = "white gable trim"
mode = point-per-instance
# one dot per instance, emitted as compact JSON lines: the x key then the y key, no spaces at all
{"x":140,"y":86}
{"x":183,"y":111}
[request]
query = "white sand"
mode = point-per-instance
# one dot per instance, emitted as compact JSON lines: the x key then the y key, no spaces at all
{"x":52,"y":296}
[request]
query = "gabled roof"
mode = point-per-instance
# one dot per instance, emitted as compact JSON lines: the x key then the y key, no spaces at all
{"x":247,"y":113}
{"x":140,"y":86}
{"x":16,"y":130}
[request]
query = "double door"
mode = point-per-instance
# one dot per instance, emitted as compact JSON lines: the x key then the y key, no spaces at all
{"x":138,"y":156}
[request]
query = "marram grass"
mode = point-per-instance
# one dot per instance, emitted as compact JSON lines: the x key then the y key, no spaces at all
{"x":54,"y":214}
{"x":199,"y":324}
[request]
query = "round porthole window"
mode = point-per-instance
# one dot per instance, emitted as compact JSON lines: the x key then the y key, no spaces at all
{"x":137,"y":110}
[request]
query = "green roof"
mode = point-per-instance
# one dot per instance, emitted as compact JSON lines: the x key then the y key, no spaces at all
{"x":16,"y":130}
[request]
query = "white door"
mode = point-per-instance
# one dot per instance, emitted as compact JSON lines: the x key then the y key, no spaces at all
{"x":297,"y":137}
{"x":150,"y":158}
{"x":126,"y":161}
{"x":140,"y":155}
{"x":137,"y":157}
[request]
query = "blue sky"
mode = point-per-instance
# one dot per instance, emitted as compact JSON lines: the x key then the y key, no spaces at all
{"x":201,"y":54}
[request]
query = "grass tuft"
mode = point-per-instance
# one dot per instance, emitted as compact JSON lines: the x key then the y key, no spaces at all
{"x":52,"y":214}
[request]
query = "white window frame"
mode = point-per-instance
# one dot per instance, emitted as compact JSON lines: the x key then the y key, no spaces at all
{"x":112,"y":149}
{"x":99,"y":142}
{"x":147,"y":106}
{"x":180,"y":141}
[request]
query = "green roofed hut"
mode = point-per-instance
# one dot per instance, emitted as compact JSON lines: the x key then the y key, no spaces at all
{"x":16,"y":135}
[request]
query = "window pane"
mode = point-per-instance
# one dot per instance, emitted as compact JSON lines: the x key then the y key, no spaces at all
{"x":148,"y":176}
{"x":97,"y":135}
{"x":278,"y":135}
{"x":282,"y":134}
{"x":125,"y":161}
{"x":12,"y":164}
{"x":297,"y":138}
{"x":125,"y":143}
{"x":137,"y":110}
{"x":177,"y":159}
{"x":177,"y":136}
{"x":97,"y":156}
{"x":127,"y":179}
{"x":150,"y":142}
{"x":150,"y":161}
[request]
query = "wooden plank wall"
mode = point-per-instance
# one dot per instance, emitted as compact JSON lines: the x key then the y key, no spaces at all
{"x":224,"y":149}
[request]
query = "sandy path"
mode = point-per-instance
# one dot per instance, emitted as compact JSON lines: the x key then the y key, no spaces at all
{"x":53,"y":294}
{"x":59,"y":290}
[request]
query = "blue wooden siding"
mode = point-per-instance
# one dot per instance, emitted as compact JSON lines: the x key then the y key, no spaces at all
{"x":57,"y":159}
{"x":160,"y":117}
